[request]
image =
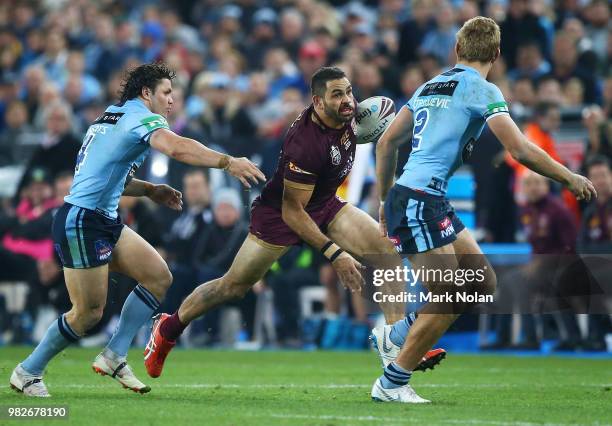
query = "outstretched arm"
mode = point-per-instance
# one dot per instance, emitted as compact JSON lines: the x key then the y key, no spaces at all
{"x":192,"y":152}
{"x":161,"y":194}
{"x":536,"y":159}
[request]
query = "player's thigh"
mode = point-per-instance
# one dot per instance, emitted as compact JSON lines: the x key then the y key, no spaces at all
{"x":356,"y":232}
{"x":87,"y":288}
{"x":253,"y":260}
{"x":135,"y":257}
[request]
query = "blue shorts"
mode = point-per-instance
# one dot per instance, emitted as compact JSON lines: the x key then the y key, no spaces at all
{"x":83,"y":238}
{"x":419,"y":222}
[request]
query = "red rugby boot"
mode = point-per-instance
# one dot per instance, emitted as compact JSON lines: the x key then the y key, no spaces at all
{"x":157,"y":348}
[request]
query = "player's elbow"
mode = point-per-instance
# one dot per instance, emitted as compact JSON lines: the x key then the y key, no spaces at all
{"x":520,"y":151}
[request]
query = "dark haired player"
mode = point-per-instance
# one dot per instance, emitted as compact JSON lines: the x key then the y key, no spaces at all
{"x":298,"y":204}
{"x":90,"y":238}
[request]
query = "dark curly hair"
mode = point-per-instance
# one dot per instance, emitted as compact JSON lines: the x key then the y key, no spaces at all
{"x":145,"y":75}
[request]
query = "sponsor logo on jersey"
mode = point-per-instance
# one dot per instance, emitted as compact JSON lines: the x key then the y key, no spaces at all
{"x":335,"y":155}
{"x":103,"y":249}
{"x":496,"y":108}
{"x":445,"y":88}
{"x":296,"y":169}
{"x":446,"y":227}
{"x":397,"y":242}
{"x":109,"y":118}
{"x":437,"y":184}
{"x":155,"y":122}
{"x":347,"y":168}
{"x":345,"y":141}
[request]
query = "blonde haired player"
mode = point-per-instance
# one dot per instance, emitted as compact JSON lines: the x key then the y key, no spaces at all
{"x":446,"y":116}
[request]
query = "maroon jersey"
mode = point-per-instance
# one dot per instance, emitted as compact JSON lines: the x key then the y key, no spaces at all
{"x":549,"y":226}
{"x":312,"y":154}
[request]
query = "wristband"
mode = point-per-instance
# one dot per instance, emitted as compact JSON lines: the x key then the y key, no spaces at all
{"x":335,"y":255}
{"x":331,"y":250}
{"x":225,"y":162}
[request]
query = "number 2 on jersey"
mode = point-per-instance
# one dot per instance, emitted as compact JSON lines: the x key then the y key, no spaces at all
{"x":83,"y":151}
{"x":420,"y":121}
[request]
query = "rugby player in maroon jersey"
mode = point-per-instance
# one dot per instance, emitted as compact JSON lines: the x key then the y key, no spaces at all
{"x":299,"y":204}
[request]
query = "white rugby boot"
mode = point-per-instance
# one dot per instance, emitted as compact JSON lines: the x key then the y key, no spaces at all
{"x":388,"y":351}
{"x":28,"y":384}
{"x":382,"y":344}
{"x":404,"y":394}
{"x":120,"y":371}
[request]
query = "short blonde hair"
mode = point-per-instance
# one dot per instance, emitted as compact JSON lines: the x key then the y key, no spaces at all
{"x":478,"y":40}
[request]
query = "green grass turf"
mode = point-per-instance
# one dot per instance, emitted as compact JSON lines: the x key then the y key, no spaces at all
{"x":326,"y":388}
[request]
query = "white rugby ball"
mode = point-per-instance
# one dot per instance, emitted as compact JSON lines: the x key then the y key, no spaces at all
{"x":373,"y":117}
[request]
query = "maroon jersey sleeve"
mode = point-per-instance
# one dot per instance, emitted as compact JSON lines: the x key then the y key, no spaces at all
{"x":304,"y":160}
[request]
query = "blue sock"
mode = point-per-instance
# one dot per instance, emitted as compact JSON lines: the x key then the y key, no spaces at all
{"x":399,"y":330}
{"x":394,"y":376}
{"x":58,"y":336}
{"x":137,"y":309}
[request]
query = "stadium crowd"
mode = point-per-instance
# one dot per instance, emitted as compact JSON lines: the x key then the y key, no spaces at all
{"x":243,"y":71}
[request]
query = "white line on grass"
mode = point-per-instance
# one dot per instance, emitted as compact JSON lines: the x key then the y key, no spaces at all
{"x":402,"y":420}
{"x":319,"y":386}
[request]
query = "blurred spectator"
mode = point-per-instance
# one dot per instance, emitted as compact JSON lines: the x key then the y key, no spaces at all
{"x":599,"y":132}
{"x":413,"y":31}
{"x":18,"y":138}
{"x":368,"y":82}
{"x":529,"y":62}
{"x":292,"y":29}
{"x":596,"y":228}
{"x":79,"y":88}
{"x":262,"y":37}
{"x":440,"y":41}
{"x":224,"y":120}
{"x":412,"y":78}
{"x":548,"y":224}
{"x":566,"y":66}
{"x":523,"y":97}
{"x":34,"y":79}
{"x":519,"y":27}
{"x":59,"y":147}
{"x":546,"y":120}
{"x":55,"y":55}
{"x":151,"y":41}
{"x":100,"y":57}
{"x":196,"y":215}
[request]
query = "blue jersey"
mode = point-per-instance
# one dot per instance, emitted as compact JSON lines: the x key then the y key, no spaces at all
{"x":449,"y":113}
{"x":114,"y":146}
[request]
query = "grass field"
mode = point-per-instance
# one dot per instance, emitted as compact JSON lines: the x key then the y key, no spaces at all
{"x":324,"y":388}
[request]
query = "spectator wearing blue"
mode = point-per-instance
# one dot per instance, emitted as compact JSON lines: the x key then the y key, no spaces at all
{"x":529,"y":63}
{"x":440,"y":42}
{"x":262,"y":37}
{"x":151,"y":41}
{"x":54,"y":56}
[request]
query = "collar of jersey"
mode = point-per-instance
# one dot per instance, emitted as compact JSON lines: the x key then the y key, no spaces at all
{"x":465,"y":67}
{"x":138,"y":102}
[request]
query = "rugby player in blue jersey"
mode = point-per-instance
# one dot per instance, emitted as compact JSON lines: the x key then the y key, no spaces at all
{"x":445,"y":116}
{"x":91,"y":240}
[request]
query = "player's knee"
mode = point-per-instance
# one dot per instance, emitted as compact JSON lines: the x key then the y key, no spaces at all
{"x":166,"y":278}
{"x":88,"y":317}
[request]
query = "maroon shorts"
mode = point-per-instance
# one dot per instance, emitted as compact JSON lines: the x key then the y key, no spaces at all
{"x":267,"y":223}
